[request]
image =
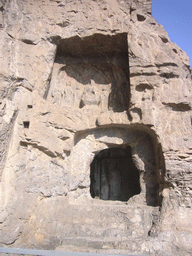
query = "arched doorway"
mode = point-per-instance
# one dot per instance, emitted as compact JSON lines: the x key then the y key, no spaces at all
{"x":114,"y":175}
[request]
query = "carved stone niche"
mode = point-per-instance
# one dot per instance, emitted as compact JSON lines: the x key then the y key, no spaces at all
{"x":118,"y":164}
{"x":91,"y":72}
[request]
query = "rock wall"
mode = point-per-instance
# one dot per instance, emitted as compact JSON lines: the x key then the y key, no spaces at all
{"x":78,"y":79}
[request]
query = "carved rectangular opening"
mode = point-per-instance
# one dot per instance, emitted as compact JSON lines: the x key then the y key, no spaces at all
{"x":26,"y":124}
{"x":92,"y":72}
{"x":114,"y":175}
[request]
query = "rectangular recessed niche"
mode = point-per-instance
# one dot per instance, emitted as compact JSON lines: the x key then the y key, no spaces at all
{"x":91,"y":72}
{"x":26,"y":124}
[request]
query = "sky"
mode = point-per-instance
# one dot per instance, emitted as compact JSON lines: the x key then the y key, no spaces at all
{"x":176,"y":17}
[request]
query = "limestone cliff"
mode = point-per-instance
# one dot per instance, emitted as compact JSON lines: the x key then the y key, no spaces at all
{"x":95,"y":131}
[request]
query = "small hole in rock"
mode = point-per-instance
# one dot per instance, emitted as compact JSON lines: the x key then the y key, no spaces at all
{"x":140,"y":17}
{"x":81,"y":105}
{"x":26,"y":124}
{"x":30,"y":106}
{"x":175,"y":50}
{"x":164,"y":39}
{"x":23,"y":144}
{"x":143,"y":87}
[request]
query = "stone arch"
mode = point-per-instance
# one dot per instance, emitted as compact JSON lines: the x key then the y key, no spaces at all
{"x":146,"y":157}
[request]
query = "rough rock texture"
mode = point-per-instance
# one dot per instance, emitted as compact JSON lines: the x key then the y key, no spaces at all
{"x":77,"y":78}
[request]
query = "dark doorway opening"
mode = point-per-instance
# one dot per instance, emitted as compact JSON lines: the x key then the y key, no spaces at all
{"x":114,"y":175}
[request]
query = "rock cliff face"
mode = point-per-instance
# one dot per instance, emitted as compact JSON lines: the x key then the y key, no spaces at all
{"x":95,"y":131}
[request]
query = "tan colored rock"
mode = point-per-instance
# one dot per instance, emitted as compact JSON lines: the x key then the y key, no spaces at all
{"x":95,"y":128}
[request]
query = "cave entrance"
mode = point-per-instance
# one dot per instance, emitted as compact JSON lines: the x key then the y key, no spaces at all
{"x":114,"y":175}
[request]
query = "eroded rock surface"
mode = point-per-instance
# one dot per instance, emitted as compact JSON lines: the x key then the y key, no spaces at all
{"x":91,"y":90}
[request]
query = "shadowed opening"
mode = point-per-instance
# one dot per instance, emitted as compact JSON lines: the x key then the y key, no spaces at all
{"x":26,"y":124}
{"x":114,"y":175}
{"x":92,"y":71}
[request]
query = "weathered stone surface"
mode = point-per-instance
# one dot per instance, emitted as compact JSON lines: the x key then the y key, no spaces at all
{"x":77,"y":78}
